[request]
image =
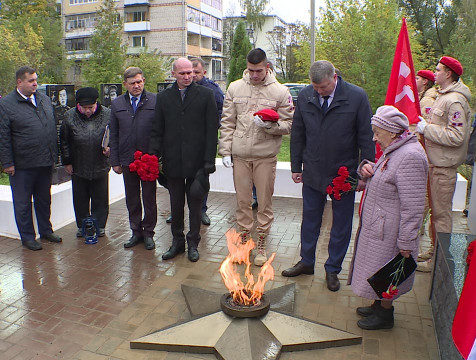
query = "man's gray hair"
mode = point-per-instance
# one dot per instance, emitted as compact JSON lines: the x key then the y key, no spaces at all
{"x":321,"y":70}
{"x":196,"y":60}
{"x":132,"y":72}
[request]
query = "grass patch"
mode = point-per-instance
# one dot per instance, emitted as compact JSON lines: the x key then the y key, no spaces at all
{"x":4,"y":179}
{"x":284,"y":154}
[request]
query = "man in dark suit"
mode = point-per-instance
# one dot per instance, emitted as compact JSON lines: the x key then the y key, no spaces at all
{"x":28,"y":150}
{"x":331,"y":128}
{"x":184,"y":136}
{"x":130,"y":126}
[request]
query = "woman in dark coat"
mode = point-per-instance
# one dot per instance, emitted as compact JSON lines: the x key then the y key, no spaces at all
{"x":85,"y":159}
{"x":392,"y":212}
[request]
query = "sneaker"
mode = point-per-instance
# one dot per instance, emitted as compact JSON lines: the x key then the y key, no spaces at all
{"x":260,"y":257}
{"x":425,"y":266}
{"x":245,"y":236}
{"x":426,"y":255}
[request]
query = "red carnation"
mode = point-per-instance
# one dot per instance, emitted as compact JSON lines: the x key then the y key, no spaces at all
{"x":341,"y":184}
{"x":137,"y":155}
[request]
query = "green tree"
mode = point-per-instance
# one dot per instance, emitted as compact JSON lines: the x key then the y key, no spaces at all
{"x":108,"y":54}
{"x":434,"y":21}
{"x":35,"y":23}
{"x":254,"y":10}
{"x":154,"y":65}
{"x":463,"y":44}
{"x":240,"y":48}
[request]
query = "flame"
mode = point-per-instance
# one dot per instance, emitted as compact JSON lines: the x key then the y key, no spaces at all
{"x":252,"y":292}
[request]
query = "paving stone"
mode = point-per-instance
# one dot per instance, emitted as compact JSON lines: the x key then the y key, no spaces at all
{"x":78,"y":301}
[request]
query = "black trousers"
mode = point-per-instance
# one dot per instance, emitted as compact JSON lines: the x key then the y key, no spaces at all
{"x":133,"y":185}
{"x":91,"y":197}
{"x":178,"y":188}
{"x":25,"y":184}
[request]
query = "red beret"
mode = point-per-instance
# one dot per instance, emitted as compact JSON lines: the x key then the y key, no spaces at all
{"x":427,"y":74}
{"x":267,"y":115}
{"x":453,"y":64}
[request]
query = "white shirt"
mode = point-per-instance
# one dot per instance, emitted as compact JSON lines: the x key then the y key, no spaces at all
{"x":32,"y":97}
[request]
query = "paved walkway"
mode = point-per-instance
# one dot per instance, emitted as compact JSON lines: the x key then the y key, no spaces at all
{"x":78,"y":301}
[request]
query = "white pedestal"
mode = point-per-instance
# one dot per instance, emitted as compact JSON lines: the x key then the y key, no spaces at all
{"x":62,"y":212}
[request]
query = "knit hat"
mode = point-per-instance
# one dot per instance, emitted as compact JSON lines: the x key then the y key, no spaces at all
{"x":427,"y":74}
{"x":267,"y":115}
{"x":453,"y":64}
{"x":390,"y":118}
{"x":86,"y":96}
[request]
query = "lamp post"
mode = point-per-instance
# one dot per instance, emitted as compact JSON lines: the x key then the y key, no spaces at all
{"x":313,"y":31}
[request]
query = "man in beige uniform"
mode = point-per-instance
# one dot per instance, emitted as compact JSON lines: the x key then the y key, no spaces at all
{"x":250,"y":145}
{"x":446,"y":138}
{"x":425,"y":81}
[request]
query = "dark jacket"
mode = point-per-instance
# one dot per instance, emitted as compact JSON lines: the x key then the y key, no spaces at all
{"x":28,"y":135}
{"x":217,"y":93}
{"x":323,"y":143}
{"x":185,"y":134}
{"x":129,"y":131}
{"x":81,"y":142}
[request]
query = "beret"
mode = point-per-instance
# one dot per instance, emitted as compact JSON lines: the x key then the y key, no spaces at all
{"x":86,"y":96}
{"x":267,"y":115}
{"x":453,"y":64}
{"x":427,"y":74}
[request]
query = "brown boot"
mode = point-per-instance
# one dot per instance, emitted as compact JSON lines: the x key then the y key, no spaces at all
{"x":426,"y":255}
{"x":260,"y":257}
{"x":245,"y":236}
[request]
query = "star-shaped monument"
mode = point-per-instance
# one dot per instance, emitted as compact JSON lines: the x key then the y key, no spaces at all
{"x":211,"y":331}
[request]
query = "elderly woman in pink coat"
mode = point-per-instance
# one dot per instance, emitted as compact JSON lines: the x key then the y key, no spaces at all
{"x":392,"y":212}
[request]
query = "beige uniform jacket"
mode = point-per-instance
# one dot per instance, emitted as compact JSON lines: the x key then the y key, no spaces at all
{"x":449,"y":126}
{"x":426,"y":102}
{"x":239,"y":135}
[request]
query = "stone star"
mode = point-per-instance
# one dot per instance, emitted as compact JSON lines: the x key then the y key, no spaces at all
{"x":211,"y":331}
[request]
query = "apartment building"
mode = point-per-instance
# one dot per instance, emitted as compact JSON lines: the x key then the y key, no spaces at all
{"x":176,"y":28}
{"x":261,"y":37}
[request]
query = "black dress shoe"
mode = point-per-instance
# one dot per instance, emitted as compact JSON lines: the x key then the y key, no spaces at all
{"x":174,"y":250}
{"x":52,"y":238}
{"x":193,"y":255}
{"x":149,"y":242}
{"x":333,"y":283}
{"x":298,"y":269}
{"x":32,"y":245}
{"x":133,"y":241}
{"x":205,"y":219}
{"x":101,"y":232}
{"x":169,"y":219}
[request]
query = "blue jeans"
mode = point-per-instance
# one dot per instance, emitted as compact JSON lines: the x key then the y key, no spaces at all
{"x":342,"y":215}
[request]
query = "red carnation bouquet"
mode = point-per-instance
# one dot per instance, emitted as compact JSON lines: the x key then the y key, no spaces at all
{"x":342,"y":183}
{"x":146,"y":166}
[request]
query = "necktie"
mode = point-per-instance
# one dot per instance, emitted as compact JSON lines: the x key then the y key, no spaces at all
{"x":325,"y":105}
{"x":182,"y":93}
{"x":30,"y":100}
{"x":134,"y":104}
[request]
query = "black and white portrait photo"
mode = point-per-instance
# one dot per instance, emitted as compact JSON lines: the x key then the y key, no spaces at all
{"x":109,"y":92}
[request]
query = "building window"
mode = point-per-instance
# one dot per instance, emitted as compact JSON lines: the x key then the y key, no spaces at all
{"x":193,"y":15}
{"x":80,"y":2}
{"x":136,"y":16}
{"x":77,"y":44}
{"x":83,"y":21}
{"x":217,"y":4}
{"x":216,"y":69}
{"x":138,"y":41}
{"x":216,"y":44}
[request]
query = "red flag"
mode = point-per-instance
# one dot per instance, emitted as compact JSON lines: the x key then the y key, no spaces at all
{"x":402,"y":91}
{"x":464,"y":324}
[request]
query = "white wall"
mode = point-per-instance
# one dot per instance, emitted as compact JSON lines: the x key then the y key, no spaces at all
{"x":221,"y":181}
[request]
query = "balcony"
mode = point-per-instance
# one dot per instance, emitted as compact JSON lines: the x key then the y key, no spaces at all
{"x":135,"y":50}
{"x":137,"y":26}
{"x":135,"y":2}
